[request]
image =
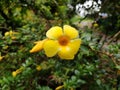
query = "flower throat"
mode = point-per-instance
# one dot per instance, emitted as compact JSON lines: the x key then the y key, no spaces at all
{"x":63,"y":40}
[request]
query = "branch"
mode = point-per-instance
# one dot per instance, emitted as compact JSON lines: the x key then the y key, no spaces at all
{"x":117,"y":34}
{"x":107,"y":54}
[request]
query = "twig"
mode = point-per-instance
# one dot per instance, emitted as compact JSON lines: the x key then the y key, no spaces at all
{"x":117,"y":34}
{"x":110,"y":56}
{"x":5,"y":28}
{"x":106,"y":53}
{"x":101,"y":42}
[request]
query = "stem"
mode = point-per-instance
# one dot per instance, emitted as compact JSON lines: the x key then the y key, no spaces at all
{"x":117,"y":34}
{"x":107,"y":54}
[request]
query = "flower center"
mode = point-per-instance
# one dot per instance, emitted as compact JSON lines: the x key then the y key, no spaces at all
{"x":63,"y":40}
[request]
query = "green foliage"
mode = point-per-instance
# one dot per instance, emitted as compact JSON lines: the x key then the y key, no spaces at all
{"x":94,"y":67}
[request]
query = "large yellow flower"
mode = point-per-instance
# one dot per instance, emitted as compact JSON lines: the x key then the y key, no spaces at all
{"x":64,"y":42}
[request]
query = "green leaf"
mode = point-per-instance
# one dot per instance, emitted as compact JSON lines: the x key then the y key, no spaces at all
{"x":118,"y":67}
{"x":98,"y":81}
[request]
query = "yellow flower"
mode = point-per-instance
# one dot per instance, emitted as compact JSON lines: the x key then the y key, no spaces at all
{"x":12,"y":34}
{"x":38,"y":68}
{"x":64,"y":42}
{"x":59,"y":87}
{"x":5,"y":47}
{"x":38,"y":47}
{"x":14,"y":73}
{"x":95,"y":25}
{"x":1,"y":57}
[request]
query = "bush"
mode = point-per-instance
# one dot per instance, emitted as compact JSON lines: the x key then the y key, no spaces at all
{"x":95,"y":66}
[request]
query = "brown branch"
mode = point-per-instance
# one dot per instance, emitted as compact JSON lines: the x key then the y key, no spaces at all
{"x":102,"y":41}
{"x":115,"y":36}
{"x":107,"y":54}
{"x":110,"y":56}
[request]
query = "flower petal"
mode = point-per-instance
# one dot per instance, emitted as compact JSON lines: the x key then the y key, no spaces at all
{"x":65,"y":53}
{"x":59,"y":87}
{"x":38,"y":46}
{"x":1,"y":57}
{"x":68,"y":52}
{"x":75,"y":45}
{"x":70,"y":31}
{"x":51,"y":48}
{"x":54,"y":32}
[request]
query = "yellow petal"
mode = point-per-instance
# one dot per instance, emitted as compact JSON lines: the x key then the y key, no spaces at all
{"x":18,"y":71}
{"x":59,"y":87}
{"x":38,"y":47}
{"x":1,"y":57}
{"x":65,"y":53}
{"x":38,"y":68}
{"x":51,"y":48}
{"x":7,"y":33}
{"x":54,"y":32}
{"x":68,"y":52}
{"x":36,"y":42}
{"x":74,"y":45}
{"x":70,"y":31}
{"x":14,"y":73}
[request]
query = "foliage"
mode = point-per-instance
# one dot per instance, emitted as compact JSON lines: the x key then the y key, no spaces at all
{"x":96,"y":65}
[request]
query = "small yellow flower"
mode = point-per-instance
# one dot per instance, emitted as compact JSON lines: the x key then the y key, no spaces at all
{"x":64,"y":42}
{"x":14,"y":73}
{"x":18,"y":71}
{"x":59,"y":87}
{"x":56,"y":13}
{"x":7,"y":34}
{"x":38,"y":47}
{"x":95,"y":25}
{"x":38,"y":68}
{"x":1,"y":57}
{"x":5,"y":47}
{"x":11,"y":34}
